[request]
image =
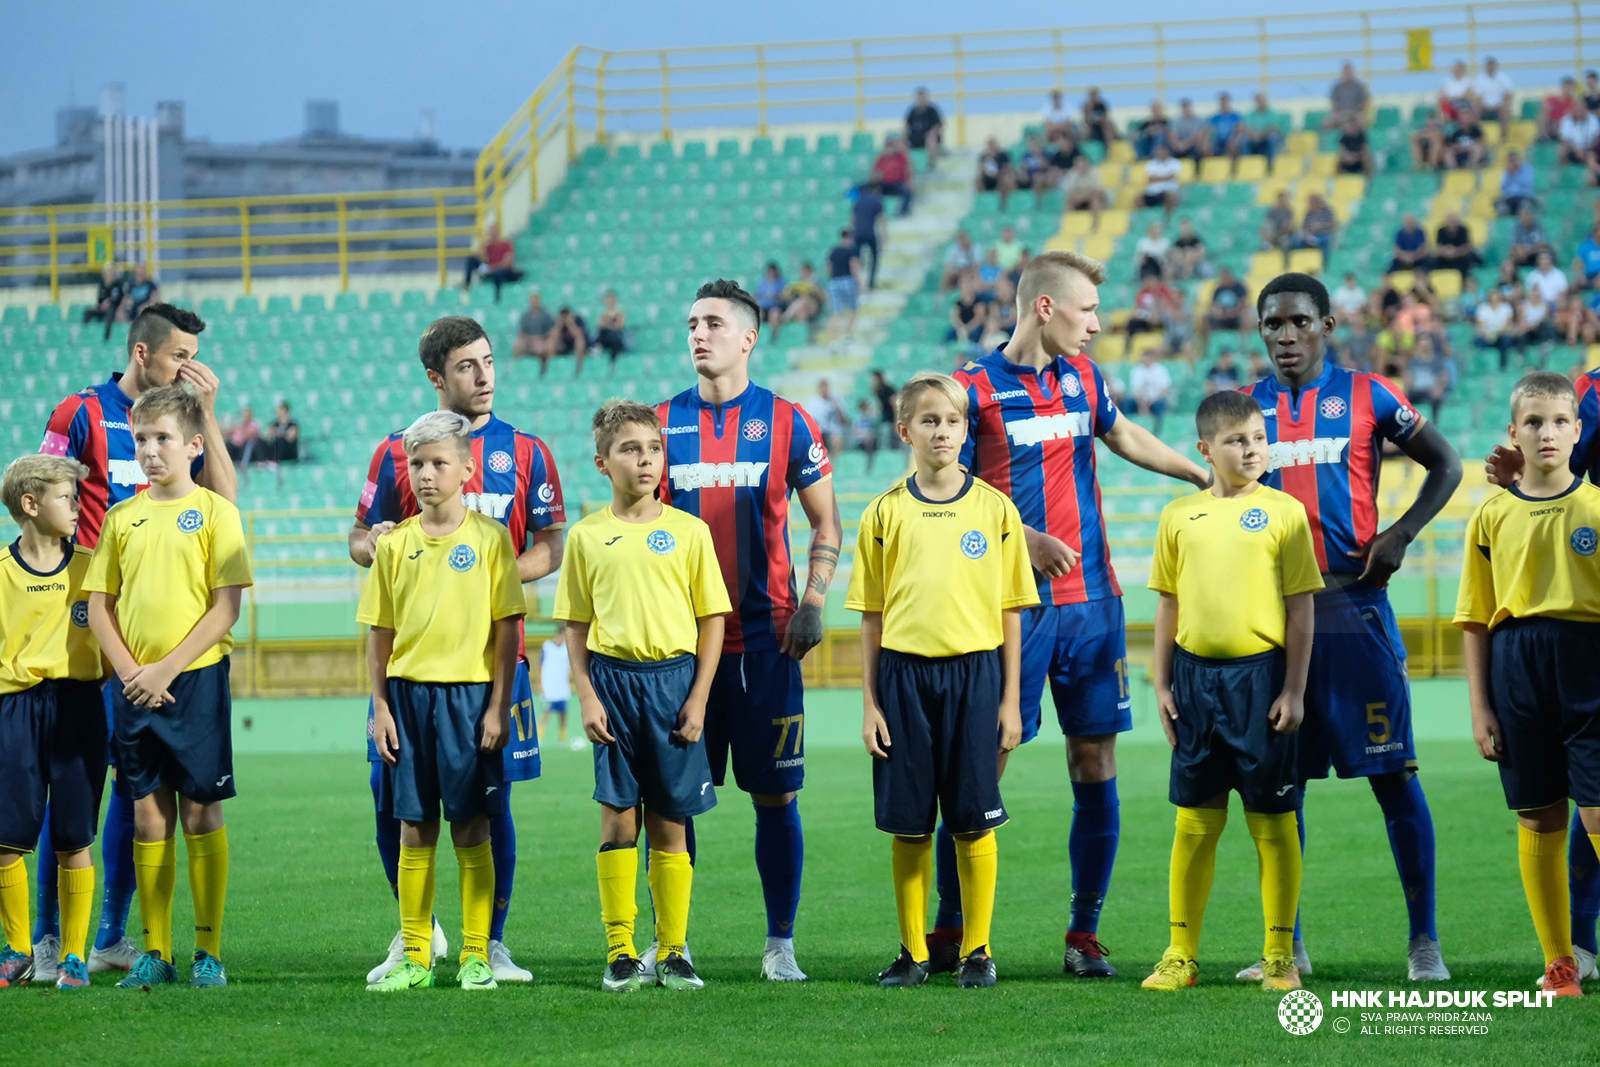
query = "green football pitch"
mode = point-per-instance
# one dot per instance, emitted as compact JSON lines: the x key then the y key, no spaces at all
{"x":309,"y":913}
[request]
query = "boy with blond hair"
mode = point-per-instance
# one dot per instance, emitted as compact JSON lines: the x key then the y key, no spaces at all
{"x":165,"y":584}
{"x":52,"y":719}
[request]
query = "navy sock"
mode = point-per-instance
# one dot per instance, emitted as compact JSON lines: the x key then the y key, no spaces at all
{"x":116,"y":853}
{"x":945,"y":877}
{"x":48,"y":924}
{"x":1300,"y":825}
{"x":503,"y":847}
{"x":780,"y":856}
{"x":1092,"y":846}
{"x":1405,"y":812}
{"x":388,"y":836}
{"x":688,"y":839}
{"x":1583,"y":881}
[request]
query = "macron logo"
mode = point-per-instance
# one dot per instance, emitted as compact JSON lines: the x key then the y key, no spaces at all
{"x":1042,"y":428}
{"x":1303,"y":453}
{"x":689,"y":476}
{"x":493,"y":505}
{"x":1009,"y":394}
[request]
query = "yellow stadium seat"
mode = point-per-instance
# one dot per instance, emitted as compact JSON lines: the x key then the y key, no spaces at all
{"x":1482,"y":206}
{"x":1324,"y":165}
{"x":1098,"y":246}
{"x":1479,"y":228}
{"x":1591,"y":359}
{"x":1250,"y":169}
{"x":1523,"y":133}
{"x":1446,"y":283}
{"x":1268,"y":262}
{"x":1062,"y":243}
{"x":1076,"y":224}
{"x":1186,"y":170}
{"x":1306,"y":261}
{"x":1349,"y":187}
{"x":1303,"y":142}
{"x":1458,"y":183}
{"x":1403,"y":281}
{"x":1140,"y":343}
{"x":1491,"y":133}
{"x":1127,"y":197}
{"x":1121,"y":152}
{"x":1216,"y":169}
{"x":1109,"y":348}
{"x":1112,"y":172}
{"x":1490,"y":182}
{"x":1119,"y":318}
{"x":1267,"y":192}
{"x":1115,"y":223}
{"x":1287,"y":166}
{"x":1202,"y":295}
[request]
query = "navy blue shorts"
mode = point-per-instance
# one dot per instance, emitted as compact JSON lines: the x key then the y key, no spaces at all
{"x":52,"y":749}
{"x":943,"y":716}
{"x":557,"y":706}
{"x":757,"y":712}
{"x":521,"y":752}
{"x":1082,"y":650}
{"x":1224,"y":739}
{"x":1544,"y":682}
{"x":644,"y":765}
{"x":1358,"y":699}
{"x":439,"y":765}
{"x":186,"y":745}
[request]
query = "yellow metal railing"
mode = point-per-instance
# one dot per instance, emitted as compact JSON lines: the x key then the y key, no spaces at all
{"x":241,"y":236}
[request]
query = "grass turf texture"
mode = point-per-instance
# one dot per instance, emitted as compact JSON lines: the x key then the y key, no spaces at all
{"x":308,"y":914}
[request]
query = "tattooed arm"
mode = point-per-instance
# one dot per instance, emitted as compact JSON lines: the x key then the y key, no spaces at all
{"x":827,"y":534}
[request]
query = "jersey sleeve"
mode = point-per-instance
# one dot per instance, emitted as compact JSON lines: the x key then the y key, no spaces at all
{"x":969,"y":447}
{"x":1475,"y":599}
{"x":574,"y":601}
{"x":506,"y":596}
{"x":1396,"y":419}
{"x":105,"y":569}
{"x":1586,"y":457}
{"x":376,"y":607}
{"x":808,"y":454}
{"x":67,"y":432}
{"x":1105,"y":409}
{"x":1020,"y":590}
{"x":706,"y":587}
{"x":545,"y":504}
{"x":230,"y":556}
{"x":1164,"y":564}
{"x":1297,"y":555}
{"x":866,"y":574}
{"x":380,"y":497}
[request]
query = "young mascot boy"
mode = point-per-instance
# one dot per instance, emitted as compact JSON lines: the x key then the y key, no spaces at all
{"x":52,"y":718}
{"x":941,"y":575}
{"x":165,"y":583}
{"x":1530,"y":608}
{"x":643,"y":599}
{"x":443,"y":601}
{"x":1236,"y":571}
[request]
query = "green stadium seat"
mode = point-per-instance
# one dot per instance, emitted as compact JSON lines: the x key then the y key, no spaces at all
{"x":14,"y":314}
{"x":382,"y":300}
{"x":1419,"y":115}
{"x":347,"y":302}
{"x":1315,"y":119}
{"x":661,"y":150}
{"x":794,"y":146}
{"x":828,"y":144}
{"x":280,"y":305}
{"x":313,"y":304}
{"x":213,"y":307}
{"x":1385,"y":118}
{"x":761,"y":147}
{"x":595,"y":154}
{"x":694,"y":150}
{"x":627,"y":153}
{"x":47,"y":313}
{"x":246,"y":306}
{"x":728,"y":149}
{"x":1530,"y":110}
{"x":862,"y":141}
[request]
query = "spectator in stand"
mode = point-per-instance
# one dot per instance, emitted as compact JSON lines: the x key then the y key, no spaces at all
{"x":960,"y":260}
{"x":864,"y":432}
{"x":1062,"y":151}
{"x":844,"y":283}
{"x":1546,"y":281}
{"x":611,"y":328}
{"x":1190,"y":135}
{"x":1151,"y":386}
{"x":1410,"y":246}
{"x":1428,"y":144}
{"x":1349,"y":300}
{"x":1355,"y":154}
{"x":108,"y":299}
{"x":990,"y":275}
{"x":1348,"y":100}
{"x":497,"y":260}
{"x":1161,"y":186}
{"x":1226,"y":128}
{"x":1453,"y":248}
{"x":1277,"y":228}
{"x":1494,"y":91}
{"x":569,"y":338}
{"x":994,"y":172}
{"x":1037,"y":170}
{"x":1528,"y":239}
{"x":1494,"y":324}
{"x":1263,"y":133}
{"x":830,"y":416}
{"x":1152,"y":131}
{"x":925,"y":126}
{"x":1591,"y":90}
{"x":893,"y":173}
{"x":1456,"y":92}
{"x":1320,"y":226}
{"x":1055,"y":115}
{"x":1586,"y":262}
{"x":144,"y":291}
{"x":1516,"y":185}
{"x":1097,"y":124}
{"x":1430,"y":375}
{"x":1467,"y":146}
{"x":1150,"y":252}
{"x":1014,"y":275}
{"x":1259,"y":368}
{"x":1575,"y":321}
{"x":280,"y":439}
{"x":535,"y":330}
{"x":1556,"y":107}
{"x":802,"y":300}
{"x":1578,"y":133}
{"x":769,"y":296}
{"x":1152,"y":305}
{"x":1008,"y":250}
{"x":1187,"y":258}
{"x":1230,"y":303}
{"x":1082,"y":189}
{"x":870,"y":227}
{"x":243,"y":434}
{"x":1002,"y":323}
{"x":1465,"y":305}
{"x":1535,"y":323}
{"x":1224,"y":373}
{"x":885,"y":394}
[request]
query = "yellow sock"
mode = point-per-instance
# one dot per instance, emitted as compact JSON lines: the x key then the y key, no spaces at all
{"x":155,"y":870}
{"x":978,"y":868}
{"x":1278,"y":855}
{"x":14,"y":917}
{"x":208,"y":884}
{"x":477,"y":899}
{"x":671,"y":880}
{"x":1544,"y":879}
{"x":913,"y":881}
{"x":75,"y":890}
{"x":619,"y":879}
{"x":416,"y":904}
{"x":1194,"y":864}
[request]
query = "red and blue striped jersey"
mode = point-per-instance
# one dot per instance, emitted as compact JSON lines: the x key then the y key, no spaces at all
{"x":1326,"y":452}
{"x":1031,"y":435}
{"x":1586,"y":457}
{"x":92,"y":427}
{"x":721,"y":461}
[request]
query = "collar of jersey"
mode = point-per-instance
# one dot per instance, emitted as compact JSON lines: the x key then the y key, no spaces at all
{"x":1577,"y":480}
{"x":113,"y":391}
{"x":66,"y":559}
{"x":1017,"y":370}
{"x":486,"y":427}
{"x":1318,"y":382}
{"x":911,"y":487}
{"x":705,"y":405}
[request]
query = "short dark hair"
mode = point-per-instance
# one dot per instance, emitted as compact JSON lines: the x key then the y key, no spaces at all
{"x":1296,"y":283}
{"x":1223,"y":409}
{"x":723,"y":289}
{"x":444,"y":336}
{"x":152,"y":326}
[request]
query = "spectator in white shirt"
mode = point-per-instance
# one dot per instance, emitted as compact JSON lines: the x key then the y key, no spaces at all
{"x":1494,"y":326}
{"x":1546,"y":282}
{"x":1057,"y":116}
{"x":1578,"y":132}
{"x":1493,"y":88}
{"x":961,"y":259}
{"x":1082,"y":189}
{"x":1162,"y":170}
{"x":1151,"y":387}
{"x":1150,"y":253}
{"x":830,"y":416}
{"x":1349,"y":300}
{"x":1455,"y":92}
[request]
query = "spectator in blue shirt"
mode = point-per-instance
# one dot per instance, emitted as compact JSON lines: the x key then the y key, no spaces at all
{"x":1516,"y":185}
{"x":1410,"y":246}
{"x":1586,"y":264}
{"x":769,"y":295}
{"x":1430,"y":375}
{"x":1225,"y":125}
{"x":867,"y":213}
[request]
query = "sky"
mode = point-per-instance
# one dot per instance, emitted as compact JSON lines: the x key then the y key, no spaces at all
{"x":245,"y":69}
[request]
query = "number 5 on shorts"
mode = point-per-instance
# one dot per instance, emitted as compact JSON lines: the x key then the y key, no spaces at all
{"x":1372,"y":718}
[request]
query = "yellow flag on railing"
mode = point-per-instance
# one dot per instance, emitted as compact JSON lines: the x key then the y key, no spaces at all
{"x":1419,"y":49}
{"x":102,"y":248}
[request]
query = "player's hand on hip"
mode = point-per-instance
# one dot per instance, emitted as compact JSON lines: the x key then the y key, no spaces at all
{"x":1383,"y":555}
{"x":691,"y":723}
{"x":1486,"y":732}
{"x":1503,"y":466}
{"x":875,"y":731}
{"x":803,"y":633}
{"x":1288,"y":711}
{"x":1010,"y":726}
{"x":1167,"y":712}
{"x":595,"y":722}
{"x":1050,"y":556}
{"x":203,"y":379}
